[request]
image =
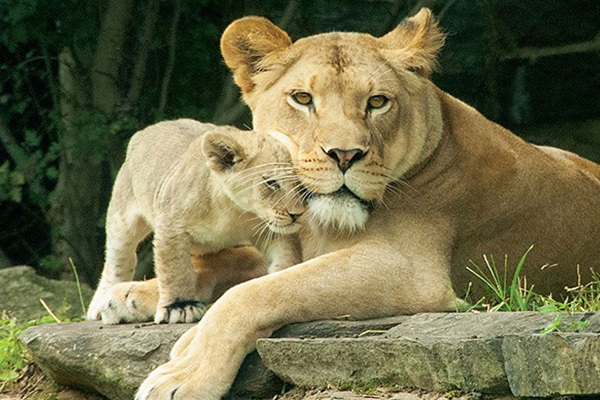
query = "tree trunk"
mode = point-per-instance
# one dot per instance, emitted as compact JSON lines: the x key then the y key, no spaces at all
{"x":84,"y":143}
{"x":75,"y":200}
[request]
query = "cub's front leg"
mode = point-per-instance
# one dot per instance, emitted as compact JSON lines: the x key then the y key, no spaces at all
{"x":178,"y":300}
{"x":283,"y":252}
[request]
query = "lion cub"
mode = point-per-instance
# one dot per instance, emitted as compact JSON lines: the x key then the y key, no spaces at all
{"x":199,"y":185}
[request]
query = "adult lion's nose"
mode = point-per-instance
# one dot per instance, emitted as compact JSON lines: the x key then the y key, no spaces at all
{"x":345,"y":158}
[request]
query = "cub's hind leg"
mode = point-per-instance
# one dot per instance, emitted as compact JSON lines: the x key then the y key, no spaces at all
{"x":125,"y":229}
{"x":219,"y":271}
{"x":131,"y":302}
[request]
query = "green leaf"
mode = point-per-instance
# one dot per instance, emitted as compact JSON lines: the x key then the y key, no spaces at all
{"x":32,"y":139}
{"x":8,"y":375}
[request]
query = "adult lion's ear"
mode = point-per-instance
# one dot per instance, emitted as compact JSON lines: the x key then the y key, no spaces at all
{"x":415,"y":43}
{"x":222,"y":151}
{"x":249,"y":45}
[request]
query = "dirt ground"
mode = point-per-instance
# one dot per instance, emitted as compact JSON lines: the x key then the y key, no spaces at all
{"x":34,"y":385}
{"x":303,"y":394}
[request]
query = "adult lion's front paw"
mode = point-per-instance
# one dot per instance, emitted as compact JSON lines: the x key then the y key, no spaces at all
{"x":178,"y":380}
{"x":127,"y":302}
{"x":180,"y":312}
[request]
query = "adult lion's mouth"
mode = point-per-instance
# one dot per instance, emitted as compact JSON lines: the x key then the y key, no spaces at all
{"x":341,"y":209}
{"x":343,"y":192}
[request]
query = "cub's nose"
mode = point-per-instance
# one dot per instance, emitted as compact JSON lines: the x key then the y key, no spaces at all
{"x":294,"y":216}
{"x":345,"y":158}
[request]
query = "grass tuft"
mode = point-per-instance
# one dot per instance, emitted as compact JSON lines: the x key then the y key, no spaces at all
{"x":13,"y":355}
{"x":504,"y":296}
{"x":517,"y":295}
{"x":78,"y":286}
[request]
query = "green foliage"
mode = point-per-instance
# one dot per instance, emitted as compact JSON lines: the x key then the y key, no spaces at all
{"x":50,"y":265}
{"x":11,"y":184}
{"x":13,"y":357}
{"x":518,"y":296}
{"x":504,"y":295}
{"x":581,"y":298}
{"x":566,"y":323}
{"x":13,"y":354}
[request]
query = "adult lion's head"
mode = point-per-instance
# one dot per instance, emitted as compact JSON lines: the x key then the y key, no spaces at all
{"x":359,"y":110}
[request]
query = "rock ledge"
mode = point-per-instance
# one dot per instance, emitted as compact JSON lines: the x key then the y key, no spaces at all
{"x":495,"y":353}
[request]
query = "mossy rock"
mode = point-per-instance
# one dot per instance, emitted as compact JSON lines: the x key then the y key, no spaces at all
{"x":21,"y":290}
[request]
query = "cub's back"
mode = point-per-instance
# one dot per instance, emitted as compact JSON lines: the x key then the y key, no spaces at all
{"x":153,"y":151}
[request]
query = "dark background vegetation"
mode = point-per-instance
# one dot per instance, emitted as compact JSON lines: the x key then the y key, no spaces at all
{"x":78,"y":78}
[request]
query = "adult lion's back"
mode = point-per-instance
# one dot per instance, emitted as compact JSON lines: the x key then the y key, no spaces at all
{"x":506,"y":194}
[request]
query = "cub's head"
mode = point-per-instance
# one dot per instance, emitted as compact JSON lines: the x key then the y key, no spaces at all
{"x":256,"y":172}
{"x":360,"y":110}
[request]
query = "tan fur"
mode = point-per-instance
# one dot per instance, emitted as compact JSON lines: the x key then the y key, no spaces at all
{"x":200,"y":189}
{"x":439,"y":185}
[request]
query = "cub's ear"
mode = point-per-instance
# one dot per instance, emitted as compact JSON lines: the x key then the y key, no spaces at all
{"x":222,"y":151}
{"x":249,"y":45}
{"x":415,"y":43}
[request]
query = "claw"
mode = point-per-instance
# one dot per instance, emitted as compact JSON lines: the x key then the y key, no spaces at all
{"x":185,"y":311}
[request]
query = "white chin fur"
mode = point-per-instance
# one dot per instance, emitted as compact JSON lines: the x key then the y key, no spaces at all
{"x":340,"y":212}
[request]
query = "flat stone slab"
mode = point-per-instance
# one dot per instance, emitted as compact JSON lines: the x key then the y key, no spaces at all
{"x":495,"y":353}
{"x":114,"y":359}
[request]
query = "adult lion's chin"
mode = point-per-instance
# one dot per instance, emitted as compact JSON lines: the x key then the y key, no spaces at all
{"x":341,"y":210}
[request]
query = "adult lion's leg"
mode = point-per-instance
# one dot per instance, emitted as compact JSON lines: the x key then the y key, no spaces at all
{"x":367,"y":280}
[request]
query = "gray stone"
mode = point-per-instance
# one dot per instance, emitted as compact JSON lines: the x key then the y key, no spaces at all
{"x":114,"y":359}
{"x":110,"y":359}
{"x":465,"y":364}
{"x":553,"y":364}
{"x":471,"y":325}
{"x":492,"y":353}
{"x":442,"y":352}
{"x":21,"y":290}
{"x":257,"y":381}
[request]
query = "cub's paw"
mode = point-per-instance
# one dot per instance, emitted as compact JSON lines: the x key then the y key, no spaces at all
{"x":95,"y":308}
{"x":182,"y":311}
{"x":129,"y":302}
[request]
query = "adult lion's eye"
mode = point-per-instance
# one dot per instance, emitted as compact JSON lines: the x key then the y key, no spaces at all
{"x":376,"y":102}
{"x":302,"y":98}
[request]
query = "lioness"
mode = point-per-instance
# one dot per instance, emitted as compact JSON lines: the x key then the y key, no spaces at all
{"x":407,"y":182}
{"x":198,"y":185}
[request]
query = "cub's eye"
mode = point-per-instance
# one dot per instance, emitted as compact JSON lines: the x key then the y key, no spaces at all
{"x":302,"y":98}
{"x":272,"y":183}
{"x":376,"y":102}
